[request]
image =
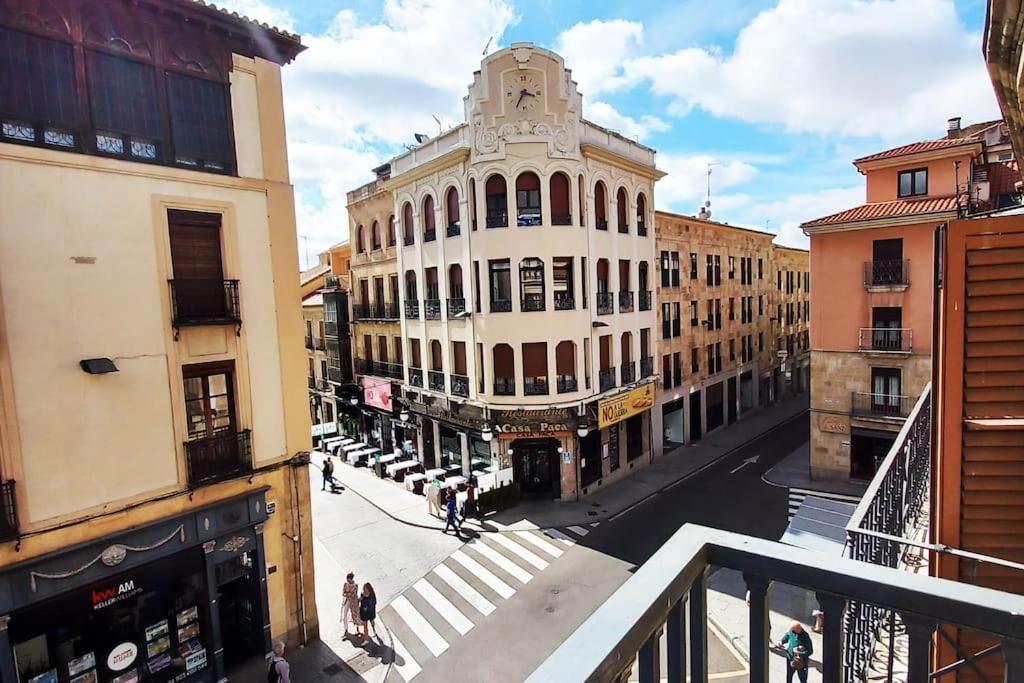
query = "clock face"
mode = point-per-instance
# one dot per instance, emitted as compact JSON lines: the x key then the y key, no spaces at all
{"x":523,"y":92}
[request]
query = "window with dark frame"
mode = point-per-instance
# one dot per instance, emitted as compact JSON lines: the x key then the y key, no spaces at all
{"x":200,"y":125}
{"x":694,"y":360}
{"x":913,"y":183}
{"x":209,"y":400}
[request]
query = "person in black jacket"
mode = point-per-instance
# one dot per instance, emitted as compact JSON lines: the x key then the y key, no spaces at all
{"x":368,"y":610}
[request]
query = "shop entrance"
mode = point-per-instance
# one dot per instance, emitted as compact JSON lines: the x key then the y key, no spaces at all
{"x":428,"y":455}
{"x":867,"y":450}
{"x":695,"y":422}
{"x":730,"y":401}
{"x":240,"y":610}
{"x":590,"y":451}
{"x":536,"y":467}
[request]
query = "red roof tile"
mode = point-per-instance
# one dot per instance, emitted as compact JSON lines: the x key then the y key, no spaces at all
{"x":899,"y":208}
{"x":915,"y":147}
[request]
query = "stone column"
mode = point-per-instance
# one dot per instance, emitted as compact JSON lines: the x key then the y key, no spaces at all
{"x":464,"y":450}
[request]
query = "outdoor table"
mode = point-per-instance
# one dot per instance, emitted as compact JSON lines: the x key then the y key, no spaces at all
{"x":414,"y":482}
{"x":455,"y":482}
{"x":355,"y":455}
{"x":353,"y":447}
{"x":397,"y":470}
{"x":436,"y":473}
{"x":328,"y":444}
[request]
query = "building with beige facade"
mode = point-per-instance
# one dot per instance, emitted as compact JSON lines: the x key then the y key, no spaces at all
{"x":153,"y":432}
{"x":728,"y":301}
{"x":873,"y":267}
{"x":525,"y":250}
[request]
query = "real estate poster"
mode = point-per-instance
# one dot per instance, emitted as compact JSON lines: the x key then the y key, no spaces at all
{"x":196,"y":660}
{"x":89,"y":677}
{"x":186,"y":632}
{"x":83,"y":663}
{"x":157,"y":646}
{"x":156,"y":630}
{"x":159,"y":664}
{"x":185,"y":616}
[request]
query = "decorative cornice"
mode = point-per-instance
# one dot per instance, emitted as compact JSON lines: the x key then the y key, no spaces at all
{"x":455,"y":156}
{"x":601,"y":154}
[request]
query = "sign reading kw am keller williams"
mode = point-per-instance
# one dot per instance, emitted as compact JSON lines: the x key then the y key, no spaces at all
{"x":625,"y":405}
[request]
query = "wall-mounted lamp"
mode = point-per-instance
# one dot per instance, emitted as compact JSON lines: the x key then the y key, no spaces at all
{"x":597,"y":323}
{"x":582,"y":430}
{"x":486,"y":434}
{"x":404,"y":415}
{"x":98,"y":366}
{"x":354,"y":400}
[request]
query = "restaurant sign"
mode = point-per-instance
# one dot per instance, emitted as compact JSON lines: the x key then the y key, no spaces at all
{"x":533,"y":424}
{"x":625,"y":405}
{"x":377,"y":393}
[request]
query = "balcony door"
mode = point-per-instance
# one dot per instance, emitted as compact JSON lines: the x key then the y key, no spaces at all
{"x":886,"y":332}
{"x":196,"y":264}
{"x":209,"y":400}
{"x":886,"y":390}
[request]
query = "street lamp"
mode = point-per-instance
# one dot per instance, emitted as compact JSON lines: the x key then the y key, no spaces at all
{"x":582,"y":430}
{"x":486,"y":434}
{"x":404,"y":415}
{"x":354,"y":400}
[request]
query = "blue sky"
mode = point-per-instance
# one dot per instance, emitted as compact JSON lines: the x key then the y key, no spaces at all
{"x":779,"y":96}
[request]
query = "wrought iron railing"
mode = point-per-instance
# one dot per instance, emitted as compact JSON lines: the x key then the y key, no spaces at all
{"x":8,"y":511}
{"x":460,"y":385}
{"x":408,"y":240}
{"x":389,"y":370}
{"x":435,"y":380}
{"x":432,"y":309}
{"x":416,"y":377}
{"x":333,"y":282}
{"x":311,"y":382}
{"x":497,"y":220}
{"x":561,"y":219}
{"x":564,"y":301}
{"x":219,"y":457}
{"x":886,"y":272}
{"x":504,"y":386}
{"x":565,"y":384}
{"x":456,"y":306}
{"x":668,"y":594}
{"x":627,"y":372}
{"x":880,"y":405}
{"x":625,"y":301}
{"x":641,"y":229}
{"x":360,"y":311}
{"x":646,"y":366}
{"x":204,"y":302}
{"x":319,"y":344}
{"x":889,"y":509}
{"x":453,"y":230}
{"x":886,"y":339}
{"x":323,"y":385}
{"x":430,"y":235}
{"x":606,"y":378}
{"x":363,"y":366}
{"x":605,"y":303}
{"x":309,"y":343}
{"x":535,"y":386}
{"x":601,"y":223}
{"x":643,"y":299}
{"x":336,"y":374}
{"x":412,"y":310}
{"x":532,"y":302}
{"x":528,"y":217}
{"x":501,"y":305}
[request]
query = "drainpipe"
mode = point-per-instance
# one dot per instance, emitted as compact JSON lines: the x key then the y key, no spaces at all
{"x":299,"y":461}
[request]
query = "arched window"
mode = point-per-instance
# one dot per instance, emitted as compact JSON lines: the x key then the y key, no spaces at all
{"x":565,"y":367}
{"x":561,"y":201}
{"x":360,"y":240}
{"x":600,"y":206}
{"x":408,"y":234}
{"x":622,"y":210}
{"x":641,"y":215}
{"x":504,"y":370}
{"x":410,"y":286}
{"x":456,"y":297}
{"x":627,"y":373}
{"x":583,"y":200}
{"x":375,"y":236}
{"x":391,"y":231}
{"x":531,"y":284}
{"x":435,"y":356}
{"x":472,"y":202}
{"x":643,"y":286}
{"x":429,"y":229}
{"x":535,"y":368}
{"x":605,"y":299}
{"x":451,"y":202}
{"x":497,"y":202}
{"x":528,"y":210}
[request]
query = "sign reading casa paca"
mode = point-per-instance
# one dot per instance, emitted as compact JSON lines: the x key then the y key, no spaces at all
{"x":833,"y":424}
{"x":530,"y":424}
{"x":625,"y":405}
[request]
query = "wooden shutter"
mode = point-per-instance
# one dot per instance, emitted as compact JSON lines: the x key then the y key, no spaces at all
{"x":195,"y":245}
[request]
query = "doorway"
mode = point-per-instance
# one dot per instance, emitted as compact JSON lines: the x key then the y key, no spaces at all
{"x":730,"y":405}
{"x":429,"y":459}
{"x":695,"y":421}
{"x":536,"y":467}
{"x":590,"y":451}
{"x":867,"y":450}
{"x":240,"y":610}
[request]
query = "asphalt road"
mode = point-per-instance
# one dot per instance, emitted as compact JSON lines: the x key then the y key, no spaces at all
{"x":729,"y":495}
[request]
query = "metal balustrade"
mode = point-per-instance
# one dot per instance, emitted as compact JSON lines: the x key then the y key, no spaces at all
{"x":669,"y":593}
{"x":501,"y":305}
{"x":625,"y":301}
{"x":564,"y":301}
{"x":532,"y":302}
{"x":504,"y":386}
{"x":435,"y":380}
{"x":887,"y":273}
{"x":460,"y":385}
{"x":416,"y":377}
{"x":565,"y":384}
{"x":535,"y":386}
{"x":204,"y":302}
{"x":628,"y":372}
{"x":453,"y":230}
{"x":432,"y":309}
{"x":880,"y":405}
{"x":412,"y":310}
{"x":456,"y":306}
{"x":497,"y":220}
{"x":605,"y":303}
{"x":644,"y":299}
{"x":218,"y":457}
{"x":886,"y":339}
{"x":646,"y":366}
{"x":8,"y":511}
{"x":606,"y":378}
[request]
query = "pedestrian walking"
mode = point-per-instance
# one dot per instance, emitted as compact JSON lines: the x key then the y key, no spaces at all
{"x":368,"y":610}
{"x":328,"y":474}
{"x":433,"y":495}
{"x":279,"y":671}
{"x":798,"y":647}
{"x":452,"y":518}
{"x":350,"y":602}
{"x":469,"y":508}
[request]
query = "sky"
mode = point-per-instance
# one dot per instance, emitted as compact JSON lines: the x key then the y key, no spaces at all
{"x":777,"y":96}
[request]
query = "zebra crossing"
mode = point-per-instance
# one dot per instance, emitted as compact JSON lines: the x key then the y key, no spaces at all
{"x":467,"y":587}
{"x":796,"y":498}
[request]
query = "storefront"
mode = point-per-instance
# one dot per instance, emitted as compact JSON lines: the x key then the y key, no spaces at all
{"x":536,"y":443}
{"x":450,"y":438}
{"x":624,"y":422}
{"x":181,"y":599}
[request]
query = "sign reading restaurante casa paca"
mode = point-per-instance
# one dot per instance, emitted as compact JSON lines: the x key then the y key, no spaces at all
{"x":529,"y":424}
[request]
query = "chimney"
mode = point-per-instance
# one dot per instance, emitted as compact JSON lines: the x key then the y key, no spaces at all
{"x":953,"y":130}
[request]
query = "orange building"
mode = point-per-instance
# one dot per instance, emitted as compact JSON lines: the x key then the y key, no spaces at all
{"x":871,"y":356}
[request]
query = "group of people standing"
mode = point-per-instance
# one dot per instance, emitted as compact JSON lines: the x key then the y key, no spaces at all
{"x":359,"y":607}
{"x":436,"y":495}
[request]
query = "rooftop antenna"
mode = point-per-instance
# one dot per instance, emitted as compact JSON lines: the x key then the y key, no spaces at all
{"x":489,"y":40}
{"x":305,"y":248}
{"x":710,"y":164}
{"x":439,"y":126}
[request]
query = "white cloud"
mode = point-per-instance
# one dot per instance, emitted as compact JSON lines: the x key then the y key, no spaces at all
{"x":362,"y":89}
{"x":596,"y":51}
{"x":848,"y":67}
{"x":685,"y":186}
{"x":606,"y":115}
{"x":784,"y":216}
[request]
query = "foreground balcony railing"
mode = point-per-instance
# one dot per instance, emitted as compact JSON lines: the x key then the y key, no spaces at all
{"x":8,"y":511}
{"x":887,"y":273}
{"x":204,"y":302}
{"x":886,"y":339}
{"x":880,"y":405}
{"x":669,"y":592}
{"x":887,"y":513}
{"x":219,"y":457}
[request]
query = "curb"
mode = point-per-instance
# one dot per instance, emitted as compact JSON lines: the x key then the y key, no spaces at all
{"x":610,"y":516}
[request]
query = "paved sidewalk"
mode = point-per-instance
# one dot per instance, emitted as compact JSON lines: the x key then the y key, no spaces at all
{"x":794,"y":471}
{"x":605,"y":504}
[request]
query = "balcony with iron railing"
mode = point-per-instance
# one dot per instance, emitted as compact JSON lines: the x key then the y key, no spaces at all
{"x":627,"y":372}
{"x":864,"y":404}
{"x":606,"y":378}
{"x":323,"y":386}
{"x":453,"y":229}
{"x":535,"y":386}
{"x":412,"y":310}
{"x":204,"y":302}
{"x":561,"y":219}
{"x":885,"y":339}
{"x":363,"y":366}
{"x":311,"y":382}
{"x":625,"y":301}
{"x":644,"y":299}
{"x":564,"y":301}
{"x":337,"y":375}
{"x":504,"y":386}
{"x":497,"y":220}
{"x":531,"y":302}
{"x":887,"y":273}
{"x":432,"y":309}
{"x":430,"y":235}
{"x":641,"y":229}
{"x":416,"y":377}
{"x":460,"y":385}
{"x":309,"y":342}
{"x":456,"y":306}
{"x":388,"y":370}
{"x":8,"y":511}
{"x":501,"y":305}
{"x":601,"y":223}
{"x":605,"y":303}
{"x":565,"y":384}
{"x":646,"y":366}
{"x":319,"y":343}
{"x":222,"y":456}
{"x":435,"y":380}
